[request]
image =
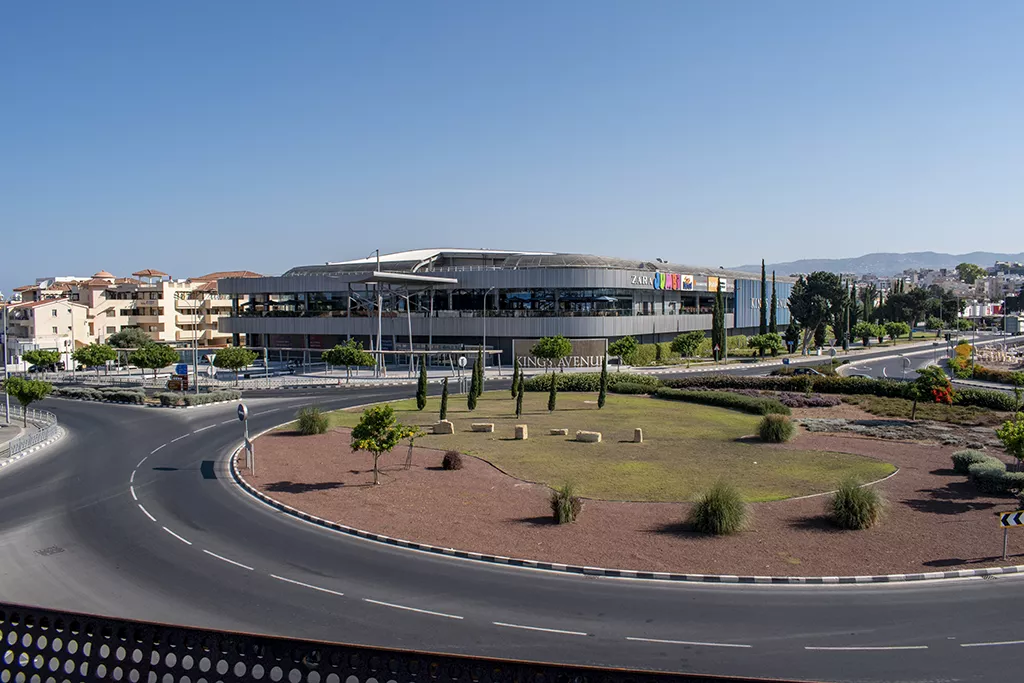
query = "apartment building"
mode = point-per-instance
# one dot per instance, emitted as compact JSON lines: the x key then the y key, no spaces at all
{"x":173,"y":311}
{"x":49,"y":324}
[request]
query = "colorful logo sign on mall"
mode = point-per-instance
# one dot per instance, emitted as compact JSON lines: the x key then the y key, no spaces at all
{"x":672,"y":281}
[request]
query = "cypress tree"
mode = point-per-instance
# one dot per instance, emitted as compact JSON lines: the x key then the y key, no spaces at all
{"x":773,"y":325}
{"x":471,"y":396}
{"x":718,"y":325}
{"x":479,"y":368}
{"x":762,"y":327}
{"x":520,"y":390}
{"x":602,"y":394}
{"x":553,"y":393}
{"x":421,"y":387}
{"x":444,"y":399}
{"x":515,"y":378}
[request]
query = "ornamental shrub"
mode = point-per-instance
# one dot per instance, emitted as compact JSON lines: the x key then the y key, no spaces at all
{"x":565,"y":504}
{"x":452,"y":460}
{"x":588,"y":381}
{"x":965,"y":458}
{"x":312,"y":421}
{"x":168,"y":398}
{"x":991,"y":477}
{"x":855,"y":507}
{"x":725,"y":399}
{"x":630,"y":388}
{"x":775,"y":429}
{"x":719,"y":511}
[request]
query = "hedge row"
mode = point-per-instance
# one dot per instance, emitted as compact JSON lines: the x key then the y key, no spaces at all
{"x":631,"y":388}
{"x":136,"y":396}
{"x":588,"y":381}
{"x":990,"y":476}
{"x":725,"y":399}
{"x":1000,"y":376}
{"x":981,"y":398}
{"x":171,"y":398}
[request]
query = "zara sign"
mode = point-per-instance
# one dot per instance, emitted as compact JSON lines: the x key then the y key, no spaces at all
{"x":671,"y":281}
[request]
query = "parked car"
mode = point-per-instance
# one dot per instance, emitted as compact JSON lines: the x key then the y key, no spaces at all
{"x":807,"y":371}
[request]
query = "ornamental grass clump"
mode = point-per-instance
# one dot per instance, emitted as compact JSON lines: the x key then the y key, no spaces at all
{"x":720,"y":511}
{"x":775,"y":429}
{"x":565,"y":504}
{"x":452,"y":461}
{"x":312,"y":421}
{"x":855,"y":507}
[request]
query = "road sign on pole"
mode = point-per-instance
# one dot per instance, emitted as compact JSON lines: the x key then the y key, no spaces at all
{"x":1008,"y":519}
{"x":243,"y":412}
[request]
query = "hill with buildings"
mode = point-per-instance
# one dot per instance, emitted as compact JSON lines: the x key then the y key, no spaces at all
{"x":885,"y":264}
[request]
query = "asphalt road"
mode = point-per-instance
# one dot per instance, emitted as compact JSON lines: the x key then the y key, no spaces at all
{"x":133,"y":515}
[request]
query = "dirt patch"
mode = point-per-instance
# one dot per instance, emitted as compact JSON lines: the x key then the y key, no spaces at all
{"x":935,"y":521}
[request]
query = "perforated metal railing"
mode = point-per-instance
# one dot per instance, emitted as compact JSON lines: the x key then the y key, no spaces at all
{"x":44,"y":420}
{"x":41,"y":645}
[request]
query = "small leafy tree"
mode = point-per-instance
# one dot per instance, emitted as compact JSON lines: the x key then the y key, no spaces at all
{"x":95,"y":355}
{"x":623,"y":348}
{"x":865,"y":331}
{"x":1011,"y":433}
{"x":41,"y":358}
{"x":792,"y":336}
{"x":155,"y":356}
{"x":896,"y":329}
{"x":769,"y":342}
{"x":519,"y":397}
{"x":378,"y":432}
{"x":933,"y":382}
{"x":552,"y":349}
{"x":553,"y":392}
{"x":602,"y":391}
{"x":421,"y":387}
{"x":515,"y":377}
{"x":444,"y":399}
{"x":26,"y":392}
{"x":129,"y":338}
{"x":234,"y":358}
{"x":348,"y":354}
{"x":687,"y":343}
{"x":969,"y":272}
{"x":934,"y":322}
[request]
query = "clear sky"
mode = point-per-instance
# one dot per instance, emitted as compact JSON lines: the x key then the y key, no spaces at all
{"x":199,"y":136}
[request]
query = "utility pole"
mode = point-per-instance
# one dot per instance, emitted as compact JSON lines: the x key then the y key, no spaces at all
{"x":380,"y":321}
{"x":71,"y":356}
{"x":7,"y":397}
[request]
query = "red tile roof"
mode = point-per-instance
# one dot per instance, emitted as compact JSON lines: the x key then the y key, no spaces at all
{"x":149,"y":272}
{"x":225,"y":273}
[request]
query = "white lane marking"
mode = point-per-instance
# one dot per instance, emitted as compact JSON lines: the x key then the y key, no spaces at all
{"x":131,"y":479}
{"x":684,"y":642}
{"x":178,"y":439}
{"x":993,"y":644}
{"x":227,"y":422}
{"x":134,"y":497}
{"x":538,"y":628}
{"x":144,"y":460}
{"x":306,"y":585}
{"x":186,"y":542}
{"x":156,"y":449}
{"x":146,"y":512}
{"x":870,"y":647}
{"x":413,"y":609}
{"x":272,"y":410}
{"x":237,"y":564}
{"x":204,"y":428}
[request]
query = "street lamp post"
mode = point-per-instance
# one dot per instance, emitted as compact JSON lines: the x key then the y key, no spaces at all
{"x":380,"y":321}
{"x":483,"y":350}
{"x":71,"y":356}
{"x":7,"y":397}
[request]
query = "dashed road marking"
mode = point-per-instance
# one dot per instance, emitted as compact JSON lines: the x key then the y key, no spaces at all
{"x":413,"y":609}
{"x":227,"y":422}
{"x":156,"y":449}
{"x":266,"y":412}
{"x":850,"y":648}
{"x":144,"y":459}
{"x":994,"y":643}
{"x":134,"y":497}
{"x":220,"y":557}
{"x":538,"y":628}
{"x":131,"y":479}
{"x":179,"y":438}
{"x":306,"y":585}
{"x":684,"y":642}
{"x":146,"y":512}
{"x":204,"y":428}
{"x":185,"y":541}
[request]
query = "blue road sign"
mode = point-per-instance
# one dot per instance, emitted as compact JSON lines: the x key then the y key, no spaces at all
{"x":181,"y":369}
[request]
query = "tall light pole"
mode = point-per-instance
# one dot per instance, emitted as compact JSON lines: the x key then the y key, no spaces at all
{"x":71,"y":357}
{"x":7,"y":397}
{"x":380,"y":320}
{"x":483,"y":350}
{"x":408,"y":316}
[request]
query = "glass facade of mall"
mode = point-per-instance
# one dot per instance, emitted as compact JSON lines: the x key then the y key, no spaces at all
{"x":501,"y":295}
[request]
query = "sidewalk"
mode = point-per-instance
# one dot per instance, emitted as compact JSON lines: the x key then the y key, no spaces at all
{"x":10,"y":431}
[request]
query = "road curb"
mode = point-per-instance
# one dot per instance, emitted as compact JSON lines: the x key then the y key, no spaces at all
{"x":38,"y":447}
{"x":582,"y":570}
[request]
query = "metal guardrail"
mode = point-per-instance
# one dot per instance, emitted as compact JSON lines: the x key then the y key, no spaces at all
{"x":70,"y":646}
{"x":48,"y":429}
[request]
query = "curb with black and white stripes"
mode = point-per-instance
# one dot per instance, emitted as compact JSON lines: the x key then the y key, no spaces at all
{"x":322,"y":385}
{"x":601,"y":571}
{"x":32,"y":449}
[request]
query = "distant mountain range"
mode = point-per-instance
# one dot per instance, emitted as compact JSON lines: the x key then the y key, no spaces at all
{"x":883,"y":264}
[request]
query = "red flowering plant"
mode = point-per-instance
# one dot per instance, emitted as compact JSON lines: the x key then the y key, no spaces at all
{"x":932,"y":381}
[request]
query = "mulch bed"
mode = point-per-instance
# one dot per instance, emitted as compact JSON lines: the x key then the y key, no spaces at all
{"x":936,"y":520}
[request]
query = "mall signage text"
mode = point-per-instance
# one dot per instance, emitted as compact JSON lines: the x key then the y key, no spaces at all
{"x":673,"y":281}
{"x":586,"y":353}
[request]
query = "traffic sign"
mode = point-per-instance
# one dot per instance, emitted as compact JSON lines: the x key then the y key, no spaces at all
{"x":243,"y":412}
{"x":832,"y":352}
{"x":181,"y":369}
{"x":1015,"y":518}
{"x":462,"y":361}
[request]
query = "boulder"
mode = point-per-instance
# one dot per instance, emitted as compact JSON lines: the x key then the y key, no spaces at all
{"x":559,"y":432}
{"x":444,"y":427}
{"x":588,"y":437}
{"x":482,"y":426}
{"x":638,"y":435}
{"x":522,"y":432}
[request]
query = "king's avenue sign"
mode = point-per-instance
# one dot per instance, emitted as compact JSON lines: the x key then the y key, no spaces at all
{"x":586,"y":353}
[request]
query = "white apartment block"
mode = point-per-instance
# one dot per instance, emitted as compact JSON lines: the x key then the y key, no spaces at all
{"x":177,"y":312}
{"x":49,"y":324}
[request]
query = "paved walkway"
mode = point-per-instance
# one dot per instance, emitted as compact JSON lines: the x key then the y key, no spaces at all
{"x":10,"y":431}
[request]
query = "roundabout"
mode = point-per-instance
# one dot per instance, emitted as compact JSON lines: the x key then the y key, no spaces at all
{"x":200,"y":552}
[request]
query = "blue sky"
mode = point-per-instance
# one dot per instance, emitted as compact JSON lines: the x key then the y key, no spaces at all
{"x":198,"y":136}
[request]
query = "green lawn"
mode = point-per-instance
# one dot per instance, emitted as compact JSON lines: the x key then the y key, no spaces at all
{"x":686,"y":448}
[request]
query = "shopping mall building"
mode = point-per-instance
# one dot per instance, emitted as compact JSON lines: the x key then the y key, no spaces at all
{"x":452,"y":299}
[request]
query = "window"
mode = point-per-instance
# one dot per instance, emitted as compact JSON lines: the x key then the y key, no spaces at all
{"x":53,"y":312}
{"x":54,"y":330}
{"x":111,"y":312}
{"x":112,"y":330}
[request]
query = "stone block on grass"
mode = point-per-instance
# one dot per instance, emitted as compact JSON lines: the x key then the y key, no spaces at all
{"x":588,"y":437}
{"x":482,"y":426}
{"x":559,"y":432}
{"x":444,"y":427}
{"x":638,"y":435}
{"x":522,"y":432}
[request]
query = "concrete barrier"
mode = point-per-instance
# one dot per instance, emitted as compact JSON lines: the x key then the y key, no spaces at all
{"x":638,"y":435}
{"x":522,"y":432}
{"x":444,"y":427}
{"x":559,"y":432}
{"x":482,"y":426}
{"x":588,"y":437}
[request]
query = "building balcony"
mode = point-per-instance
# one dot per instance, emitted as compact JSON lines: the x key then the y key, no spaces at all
{"x":145,"y":319}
